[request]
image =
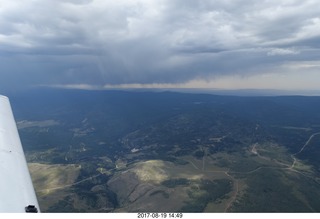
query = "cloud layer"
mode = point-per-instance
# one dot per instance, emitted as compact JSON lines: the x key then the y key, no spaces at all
{"x":102,"y":42}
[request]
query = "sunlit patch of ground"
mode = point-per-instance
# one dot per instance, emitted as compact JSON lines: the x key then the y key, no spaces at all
{"x":47,"y":178}
{"x":152,"y":170}
{"x":52,"y":181}
{"x":140,"y":187}
{"x":157,"y":185}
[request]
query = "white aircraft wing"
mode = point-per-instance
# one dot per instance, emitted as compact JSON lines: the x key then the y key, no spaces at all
{"x":16,"y":189}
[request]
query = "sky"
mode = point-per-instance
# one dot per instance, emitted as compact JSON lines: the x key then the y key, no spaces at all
{"x":102,"y":44}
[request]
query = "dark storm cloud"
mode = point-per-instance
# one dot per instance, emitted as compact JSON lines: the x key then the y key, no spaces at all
{"x":115,"y":42}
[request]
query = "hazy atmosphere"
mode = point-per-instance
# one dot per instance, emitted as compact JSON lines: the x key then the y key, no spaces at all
{"x":161,"y":43}
{"x":179,"y":106}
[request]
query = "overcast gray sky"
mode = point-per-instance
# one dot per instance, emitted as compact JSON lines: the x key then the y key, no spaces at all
{"x":160,"y":43}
